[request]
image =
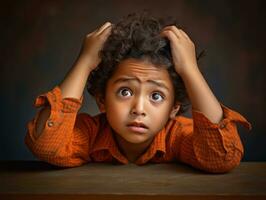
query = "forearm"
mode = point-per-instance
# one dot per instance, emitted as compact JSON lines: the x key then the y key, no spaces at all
{"x":72,"y":86}
{"x":201,"y":96}
{"x":74,"y":82}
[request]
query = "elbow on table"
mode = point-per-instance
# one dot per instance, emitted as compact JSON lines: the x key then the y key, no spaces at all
{"x":66,"y":162}
{"x":223,"y":164}
{"x":62,"y":160}
{"x":59,"y":159}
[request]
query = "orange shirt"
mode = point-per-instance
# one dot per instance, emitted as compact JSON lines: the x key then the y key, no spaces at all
{"x":70,"y":139}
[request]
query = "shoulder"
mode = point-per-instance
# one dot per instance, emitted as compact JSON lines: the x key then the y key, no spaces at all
{"x":183,"y":121}
{"x":88,"y":119}
{"x":181,"y":125}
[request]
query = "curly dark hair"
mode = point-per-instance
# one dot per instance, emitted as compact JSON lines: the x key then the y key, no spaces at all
{"x":138,"y":36}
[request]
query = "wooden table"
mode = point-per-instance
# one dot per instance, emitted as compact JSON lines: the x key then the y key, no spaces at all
{"x":39,"y":180}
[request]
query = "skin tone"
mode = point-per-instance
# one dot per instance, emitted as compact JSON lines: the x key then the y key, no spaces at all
{"x":133,"y":95}
{"x":185,"y":63}
{"x":75,"y":80}
{"x":138,"y":104}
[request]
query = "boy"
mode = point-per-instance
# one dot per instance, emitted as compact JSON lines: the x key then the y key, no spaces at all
{"x":142,"y":78}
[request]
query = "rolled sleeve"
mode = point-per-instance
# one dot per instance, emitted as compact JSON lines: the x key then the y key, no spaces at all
{"x":54,"y":99}
{"x":61,"y":110}
{"x":229,"y":115}
{"x":58,"y":131}
{"x":217,"y":146}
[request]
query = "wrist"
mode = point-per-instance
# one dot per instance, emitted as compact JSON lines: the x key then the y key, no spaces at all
{"x":86,"y":61}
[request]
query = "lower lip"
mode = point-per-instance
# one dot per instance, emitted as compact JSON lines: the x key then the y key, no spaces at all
{"x":137,"y":129}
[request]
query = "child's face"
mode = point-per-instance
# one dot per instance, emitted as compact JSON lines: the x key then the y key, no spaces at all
{"x":139,"y":92}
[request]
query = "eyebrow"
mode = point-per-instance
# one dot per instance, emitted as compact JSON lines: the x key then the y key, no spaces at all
{"x":126,"y":79}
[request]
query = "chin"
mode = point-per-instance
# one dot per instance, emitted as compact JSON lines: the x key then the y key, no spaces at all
{"x":136,"y":139}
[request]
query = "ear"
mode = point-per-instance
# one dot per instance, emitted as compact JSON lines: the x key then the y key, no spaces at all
{"x":100,"y":103}
{"x":174,"y":111}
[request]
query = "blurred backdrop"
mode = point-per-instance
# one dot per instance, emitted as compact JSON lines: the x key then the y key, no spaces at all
{"x":40,"y":41}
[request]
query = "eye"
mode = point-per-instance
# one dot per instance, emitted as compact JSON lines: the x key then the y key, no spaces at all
{"x":124,"y":92}
{"x":157,"y":97}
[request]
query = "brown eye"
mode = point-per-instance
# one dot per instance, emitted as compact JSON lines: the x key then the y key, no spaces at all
{"x":124,"y":92}
{"x":157,"y":97}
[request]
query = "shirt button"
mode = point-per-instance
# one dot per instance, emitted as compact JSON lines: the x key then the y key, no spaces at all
{"x":222,"y":125}
{"x":50,"y":123}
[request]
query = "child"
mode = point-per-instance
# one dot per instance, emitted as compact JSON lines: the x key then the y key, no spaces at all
{"x":142,"y":72}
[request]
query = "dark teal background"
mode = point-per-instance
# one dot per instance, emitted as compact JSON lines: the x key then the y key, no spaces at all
{"x":40,"y":41}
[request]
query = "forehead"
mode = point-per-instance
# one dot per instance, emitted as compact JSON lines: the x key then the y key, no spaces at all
{"x":142,"y":70}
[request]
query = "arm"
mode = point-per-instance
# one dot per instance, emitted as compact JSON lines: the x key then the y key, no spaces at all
{"x":71,"y":87}
{"x":74,"y":82}
{"x":56,"y":134}
{"x":213,"y":144}
{"x":215,"y":148}
{"x":200,"y":95}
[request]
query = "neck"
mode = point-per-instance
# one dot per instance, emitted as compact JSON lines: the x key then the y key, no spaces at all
{"x":130,"y":150}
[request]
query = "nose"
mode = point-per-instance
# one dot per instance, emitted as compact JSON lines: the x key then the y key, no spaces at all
{"x":138,"y":107}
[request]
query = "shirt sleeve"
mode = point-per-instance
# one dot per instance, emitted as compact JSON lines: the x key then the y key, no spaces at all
{"x":65,"y":139}
{"x":215,"y":148}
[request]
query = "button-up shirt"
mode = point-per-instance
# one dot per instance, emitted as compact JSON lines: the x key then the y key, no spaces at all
{"x":71,"y":139}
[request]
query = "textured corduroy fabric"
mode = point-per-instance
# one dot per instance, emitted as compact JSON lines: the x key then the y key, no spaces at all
{"x":71,"y":139}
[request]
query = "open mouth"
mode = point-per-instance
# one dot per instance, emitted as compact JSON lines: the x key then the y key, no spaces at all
{"x":138,"y":124}
{"x":137,"y":127}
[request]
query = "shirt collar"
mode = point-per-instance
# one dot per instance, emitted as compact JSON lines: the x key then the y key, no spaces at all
{"x":105,"y":140}
{"x":158,"y":144}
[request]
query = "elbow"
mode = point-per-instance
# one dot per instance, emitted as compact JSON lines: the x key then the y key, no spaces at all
{"x":223,"y":164}
{"x":218,"y":155}
{"x":222,"y":168}
{"x":42,"y":152}
{"x":63,"y":156}
{"x":65,"y":162}
{"x":53,"y":156}
{"x":60,"y":160}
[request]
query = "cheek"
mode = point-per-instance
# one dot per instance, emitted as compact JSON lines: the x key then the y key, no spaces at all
{"x":116,"y":114}
{"x":160,"y":114}
{"x":116,"y":108}
{"x":163,"y":109}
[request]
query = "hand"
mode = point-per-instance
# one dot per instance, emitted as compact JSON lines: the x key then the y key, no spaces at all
{"x":182,"y":49}
{"x":92,"y":45}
